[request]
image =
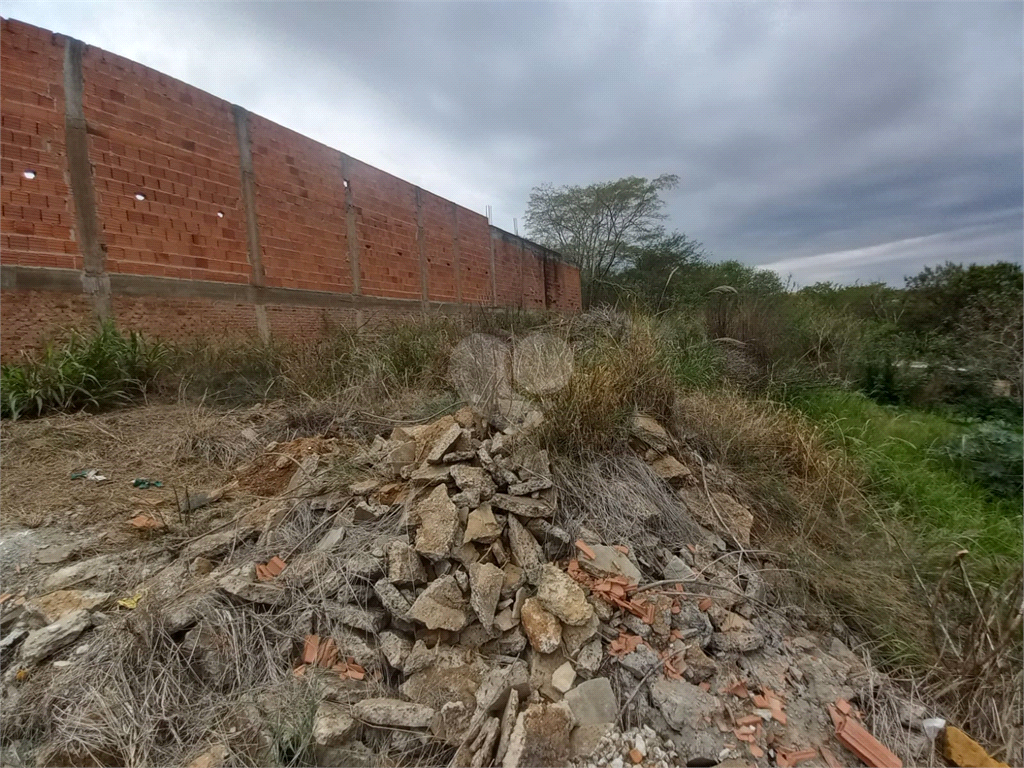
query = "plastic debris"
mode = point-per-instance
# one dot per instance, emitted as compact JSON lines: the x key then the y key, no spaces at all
{"x":144,"y":482}
{"x":962,"y":750}
{"x":88,"y":474}
{"x":130,"y":602}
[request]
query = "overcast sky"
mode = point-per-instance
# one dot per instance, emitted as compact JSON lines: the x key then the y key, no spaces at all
{"x":825,"y":140}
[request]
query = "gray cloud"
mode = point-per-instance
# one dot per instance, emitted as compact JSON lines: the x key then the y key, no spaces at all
{"x":834,"y":140}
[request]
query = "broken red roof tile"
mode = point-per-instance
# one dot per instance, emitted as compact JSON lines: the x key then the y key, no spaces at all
{"x":705,"y":686}
{"x":309,"y":651}
{"x":587,"y":551}
{"x":749,"y":720}
{"x":830,"y":759}
{"x":621,"y":548}
{"x":843,"y":706}
{"x":706,"y":603}
{"x":856,"y":738}
{"x":635,"y":756}
{"x":755,"y":750}
{"x":790,"y":759}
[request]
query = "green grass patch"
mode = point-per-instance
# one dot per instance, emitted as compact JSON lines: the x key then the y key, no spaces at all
{"x":898,"y":446}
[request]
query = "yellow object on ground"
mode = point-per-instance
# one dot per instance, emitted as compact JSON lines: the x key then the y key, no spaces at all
{"x":966,"y":752}
{"x":130,"y":602}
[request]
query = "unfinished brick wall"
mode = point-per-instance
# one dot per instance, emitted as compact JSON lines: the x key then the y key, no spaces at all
{"x":186,"y":213}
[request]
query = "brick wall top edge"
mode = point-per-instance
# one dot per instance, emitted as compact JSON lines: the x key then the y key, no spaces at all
{"x":535,"y":248}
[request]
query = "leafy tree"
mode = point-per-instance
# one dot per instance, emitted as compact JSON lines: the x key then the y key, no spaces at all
{"x":598,"y":227}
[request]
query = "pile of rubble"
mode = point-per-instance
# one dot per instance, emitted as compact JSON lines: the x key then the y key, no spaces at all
{"x":496,"y":635}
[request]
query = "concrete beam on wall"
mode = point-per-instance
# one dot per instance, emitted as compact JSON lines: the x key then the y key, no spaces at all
{"x":59,"y":280}
{"x":94,"y":279}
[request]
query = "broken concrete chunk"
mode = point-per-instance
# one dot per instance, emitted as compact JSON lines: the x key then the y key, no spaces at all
{"x":441,"y":606}
{"x":641,"y":661}
{"x":331,"y":539}
{"x":393,"y":713}
{"x":473,"y":479}
{"x":542,"y":628}
{"x":428,"y":474}
{"x":669,"y":469}
{"x":482,"y":526}
{"x":590,"y":656}
{"x":676,"y":569}
{"x":363,"y":566}
{"x":508,"y":722}
{"x":527,"y":487}
{"x":399,"y":455}
{"x":333,"y":725}
{"x":439,"y":525}
{"x":687,"y":708}
{"x":404,"y":565}
{"x":562,"y":596}
{"x":443,"y":443}
{"x":58,"y":604}
{"x":82,"y":572}
{"x":521,"y":506}
{"x":575,"y":637}
{"x":485,"y":589}
{"x":395,"y":647}
{"x":563,"y":677}
{"x":650,"y":431}
{"x":46,"y":641}
{"x":241,"y":583}
{"x":593,"y":702}
{"x":364,"y":487}
{"x":370,"y":620}
{"x":526,"y":552}
{"x":609,"y":561}
{"x":540,"y":737}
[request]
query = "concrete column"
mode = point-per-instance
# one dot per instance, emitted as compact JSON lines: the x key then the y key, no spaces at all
{"x":458,"y":262}
{"x":494,"y":275}
{"x":424,"y":279}
{"x":252,"y":226}
{"x":350,"y":224}
{"x":95,"y":281}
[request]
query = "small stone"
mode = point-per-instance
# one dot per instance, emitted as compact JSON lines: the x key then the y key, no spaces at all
{"x":563,"y":677}
{"x":562,"y":596}
{"x":504,"y":620}
{"x":52,"y":555}
{"x":542,"y":628}
{"x":364,"y":487}
{"x":202,"y":566}
{"x":393,"y":713}
{"x":55,"y":605}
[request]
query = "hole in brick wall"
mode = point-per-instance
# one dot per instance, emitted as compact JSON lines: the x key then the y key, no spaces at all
{"x":139,"y":196}
{"x":29,"y":174}
{"x":220,"y":214}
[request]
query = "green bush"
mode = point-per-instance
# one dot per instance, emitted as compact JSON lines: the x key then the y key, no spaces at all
{"x":87,"y":372}
{"x":992,"y":454}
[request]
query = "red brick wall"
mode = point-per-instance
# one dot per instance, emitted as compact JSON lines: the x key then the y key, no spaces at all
{"x":29,"y":319}
{"x":300,"y":203}
{"x":36,"y":216}
{"x":177,"y":147}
